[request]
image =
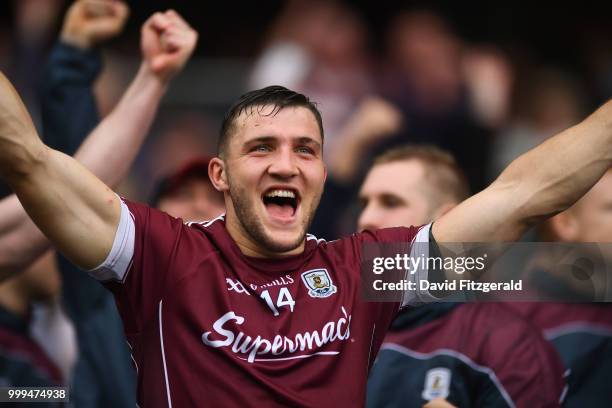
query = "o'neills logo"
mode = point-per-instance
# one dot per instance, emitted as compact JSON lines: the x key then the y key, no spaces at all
{"x":252,"y":347}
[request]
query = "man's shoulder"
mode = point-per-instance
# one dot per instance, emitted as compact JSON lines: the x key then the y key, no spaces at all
{"x":483,"y":323}
{"x":395,"y":234}
{"x":382,"y":235}
{"x":162,"y":227}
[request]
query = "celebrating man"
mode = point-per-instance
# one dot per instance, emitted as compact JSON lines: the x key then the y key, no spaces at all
{"x":248,"y":309}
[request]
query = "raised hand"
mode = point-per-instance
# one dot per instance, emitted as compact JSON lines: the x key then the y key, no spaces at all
{"x":167,"y":42}
{"x":89,"y":22}
{"x":375,"y":118}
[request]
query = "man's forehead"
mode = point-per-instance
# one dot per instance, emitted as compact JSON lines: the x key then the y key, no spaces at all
{"x":400,"y":178}
{"x":400,"y":172}
{"x":252,"y":118}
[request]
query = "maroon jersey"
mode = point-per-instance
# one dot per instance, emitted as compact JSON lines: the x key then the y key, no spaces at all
{"x":582,"y":335}
{"x":210,"y":326}
{"x":472,"y":355}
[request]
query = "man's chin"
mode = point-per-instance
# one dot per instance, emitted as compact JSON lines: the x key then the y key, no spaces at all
{"x":281,"y":243}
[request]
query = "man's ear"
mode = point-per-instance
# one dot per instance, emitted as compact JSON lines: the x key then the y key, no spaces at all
{"x":564,"y":226}
{"x":217,"y":174}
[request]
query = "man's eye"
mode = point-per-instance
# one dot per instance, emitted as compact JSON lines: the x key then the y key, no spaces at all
{"x":304,"y":150}
{"x":390,"y":202}
{"x":261,"y":148}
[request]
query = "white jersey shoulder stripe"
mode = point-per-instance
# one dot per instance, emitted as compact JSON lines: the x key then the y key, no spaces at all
{"x":310,"y":237}
{"x":163,"y":353}
{"x":119,"y":259}
{"x":206,"y":223}
{"x":419,"y":248}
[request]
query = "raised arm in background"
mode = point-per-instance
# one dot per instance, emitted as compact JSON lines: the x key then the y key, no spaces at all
{"x":540,"y":183}
{"x":374,"y":120}
{"x":70,"y":199}
{"x":73,"y":65}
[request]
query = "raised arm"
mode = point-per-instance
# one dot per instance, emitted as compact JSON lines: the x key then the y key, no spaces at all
{"x":70,"y":198}
{"x":74,"y":64}
{"x":66,"y":86}
{"x":540,"y":183}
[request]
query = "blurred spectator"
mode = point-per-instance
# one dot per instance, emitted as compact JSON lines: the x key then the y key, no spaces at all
{"x":546,"y":102}
{"x":374,"y":121}
{"x":473,"y":354}
{"x":35,"y":22}
{"x":181,"y":136}
{"x":581,"y":332}
{"x":597,"y":61}
{"x":425,"y":58}
{"x":188,"y":193}
{"x":319,"y":48}
{"x":440,"y":91}
{"x":489,"y":78}
{"x":23,"y":362}
{"x":23,"y":50}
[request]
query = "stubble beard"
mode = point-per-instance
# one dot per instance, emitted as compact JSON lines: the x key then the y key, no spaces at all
{"x":253,"y":226}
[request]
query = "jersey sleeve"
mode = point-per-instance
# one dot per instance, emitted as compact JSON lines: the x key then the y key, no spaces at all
{"x":145,"y":258}
{"x":418,"y":242}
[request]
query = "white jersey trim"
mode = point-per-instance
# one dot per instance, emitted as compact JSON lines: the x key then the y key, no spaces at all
{"x":310,"y":237}
{"x":414,"y":297}
{"x":119,"y":259}
{"x":163,"y":353}
{"x":206,"y":223}
{"x":371,"y":342}
{"x":577,"y":327}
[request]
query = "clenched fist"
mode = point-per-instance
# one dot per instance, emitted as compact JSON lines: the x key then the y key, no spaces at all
{"x":167,"y":42}
{"x":88,"y":22}
{"x":375,"y":118}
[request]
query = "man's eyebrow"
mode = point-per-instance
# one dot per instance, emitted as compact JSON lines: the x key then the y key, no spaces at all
{"x":387,"y":196}
{"x":308,"y":140}
{"x":261,"y":139}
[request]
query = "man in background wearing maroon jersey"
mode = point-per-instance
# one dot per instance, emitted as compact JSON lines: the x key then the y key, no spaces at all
{"x":188,"y":193}
{"x":249,"y":310}
{"x":581,"y":332}
{"x":471,"y":354}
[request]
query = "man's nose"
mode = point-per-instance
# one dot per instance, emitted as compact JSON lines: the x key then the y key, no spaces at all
{"x":368,"y":219}
{"x":284,"y":164}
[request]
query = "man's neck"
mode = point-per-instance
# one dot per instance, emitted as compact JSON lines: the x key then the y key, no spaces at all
{"x":250,"y":247}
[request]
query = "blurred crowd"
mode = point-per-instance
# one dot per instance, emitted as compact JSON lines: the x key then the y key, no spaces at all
{"x":484,"y":102}
{"x":423,"y":83}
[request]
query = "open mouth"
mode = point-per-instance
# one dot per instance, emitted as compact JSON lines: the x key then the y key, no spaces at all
{"x":281,"y":202}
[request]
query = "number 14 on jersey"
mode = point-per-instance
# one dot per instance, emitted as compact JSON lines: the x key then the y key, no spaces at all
{"x":284,"y":299}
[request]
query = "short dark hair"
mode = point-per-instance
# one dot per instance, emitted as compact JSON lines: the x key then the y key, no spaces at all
{"x":277,"y":96}
{"x":441,"y":167}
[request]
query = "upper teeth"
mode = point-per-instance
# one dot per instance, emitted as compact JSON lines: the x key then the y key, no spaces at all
{"x":281,"y":193}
